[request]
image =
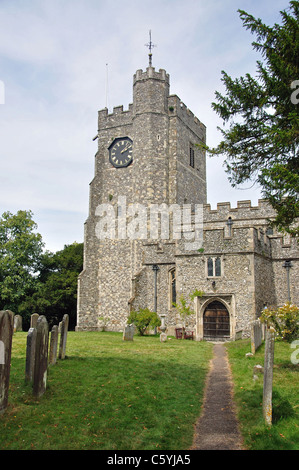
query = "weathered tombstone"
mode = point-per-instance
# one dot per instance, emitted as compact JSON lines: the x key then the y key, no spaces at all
{"x":256,"y":335}
{"x":30,"y":354}
{"x":268,"y":375}
{"x":257,"y":370}
{"x":128,"y":333}
{"x":63,"y":336}
{"x":53,"y":345}
{"x":41,"y":357}
{"x":163,"y":337}
{"x":12,"y":316}
{"x":18,"y":323}
{"x":33,"y":320}
{"x":6,"y":332}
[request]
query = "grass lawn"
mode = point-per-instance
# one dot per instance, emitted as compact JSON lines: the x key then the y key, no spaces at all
{"x":109,"y":394}
{"x":284,"y":432}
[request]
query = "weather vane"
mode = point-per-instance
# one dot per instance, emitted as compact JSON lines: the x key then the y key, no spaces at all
{"x":150,"y":45}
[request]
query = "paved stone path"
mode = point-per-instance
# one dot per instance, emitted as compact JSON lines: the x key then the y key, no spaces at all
{"x":217,"y":427}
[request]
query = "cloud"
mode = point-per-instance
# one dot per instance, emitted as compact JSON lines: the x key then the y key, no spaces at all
{"x":53,"y":58}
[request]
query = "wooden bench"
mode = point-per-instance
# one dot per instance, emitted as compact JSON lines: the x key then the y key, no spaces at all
{"x":188,"y":334}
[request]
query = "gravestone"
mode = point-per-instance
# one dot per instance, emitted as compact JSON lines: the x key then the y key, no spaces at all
{"x":53,"y":345}
{"x":256,"y":335}
{"x":18,"y":323}
{"x":268,"y":375}
{"x":30,"y":354}
{"x":6,"y":332}
{"x":41,"y":357}
{"x":257,"y":370}
{"x":128,"y":333}
{"x":12,"y":316}
{"x":33,"y":320}
{"x":63,"y":336}
{"x":163,"y":337}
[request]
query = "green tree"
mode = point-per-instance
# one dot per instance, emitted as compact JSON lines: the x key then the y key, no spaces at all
{"x":20,"y":256}
{"x":56,"y":294}
{"x":143,"y":319}
{"x":183,"y":307}
{"x":262,"y":114}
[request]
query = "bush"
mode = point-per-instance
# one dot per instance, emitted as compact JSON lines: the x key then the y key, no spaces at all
{"x":143,"y":319}
{"x":284,"y":319}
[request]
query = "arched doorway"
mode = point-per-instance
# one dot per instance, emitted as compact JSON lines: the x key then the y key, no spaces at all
{"x":216,"y":321}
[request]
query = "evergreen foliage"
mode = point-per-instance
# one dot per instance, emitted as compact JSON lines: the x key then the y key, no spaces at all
{"x":262,"y":114}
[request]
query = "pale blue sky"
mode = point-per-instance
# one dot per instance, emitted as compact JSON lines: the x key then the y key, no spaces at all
{"x":53,"y":57}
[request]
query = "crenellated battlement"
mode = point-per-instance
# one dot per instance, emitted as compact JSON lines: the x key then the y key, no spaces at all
{"x":244,"y":210}
{"x":177,"y":108}
{"x":118,"y":117}
{"x":151,"y":73}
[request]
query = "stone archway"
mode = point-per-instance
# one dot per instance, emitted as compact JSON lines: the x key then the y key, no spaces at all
{"x":216,"y":321}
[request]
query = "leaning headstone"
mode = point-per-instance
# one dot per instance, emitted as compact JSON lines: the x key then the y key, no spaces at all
{"x":268,"y":375}
{"x":41,"y":357}
{"x":30,"y":354}
{"x":18,"y":323}
{"x":256,"y":335}
{"x":128,"y":333}
{"x":53,"y":345}
{"x":6,"y":332}
{"x":33,"y":320}
{"x":63,"y":336}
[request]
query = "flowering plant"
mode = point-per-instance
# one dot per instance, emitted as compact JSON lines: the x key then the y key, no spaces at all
{"x":284,"y":319}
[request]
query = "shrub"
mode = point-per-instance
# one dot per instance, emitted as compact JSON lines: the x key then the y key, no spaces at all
{"x":284,"y":319}
{"x":184,"y":307}
{"x":143,"y":319}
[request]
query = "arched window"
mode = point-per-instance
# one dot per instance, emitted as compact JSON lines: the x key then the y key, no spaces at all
{"x":172,"y":287}
{"x":229,"y":224}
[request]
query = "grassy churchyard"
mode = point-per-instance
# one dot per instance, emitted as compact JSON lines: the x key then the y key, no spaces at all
{"x":141,"y":395}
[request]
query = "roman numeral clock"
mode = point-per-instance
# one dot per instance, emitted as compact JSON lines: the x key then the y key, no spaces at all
{"x":121,"y":152}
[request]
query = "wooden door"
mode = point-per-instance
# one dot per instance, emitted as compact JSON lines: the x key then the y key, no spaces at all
{"x":216,"y":321}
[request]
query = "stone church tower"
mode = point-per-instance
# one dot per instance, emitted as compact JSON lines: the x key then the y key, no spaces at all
{"x":150,"y":236}
{"x":146,"y":155}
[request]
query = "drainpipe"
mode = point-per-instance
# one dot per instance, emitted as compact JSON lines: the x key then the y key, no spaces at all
{"x":155,"y":269}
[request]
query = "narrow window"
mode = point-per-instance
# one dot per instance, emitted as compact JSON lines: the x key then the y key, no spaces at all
{"x":172,"y":287}
{"x":218,"y":267}
{"x":229,"y":224}
{"x":210,"y":267}
{"x":192,"y":157}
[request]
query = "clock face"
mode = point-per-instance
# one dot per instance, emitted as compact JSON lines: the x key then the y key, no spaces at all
{"x":121,"y":152}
